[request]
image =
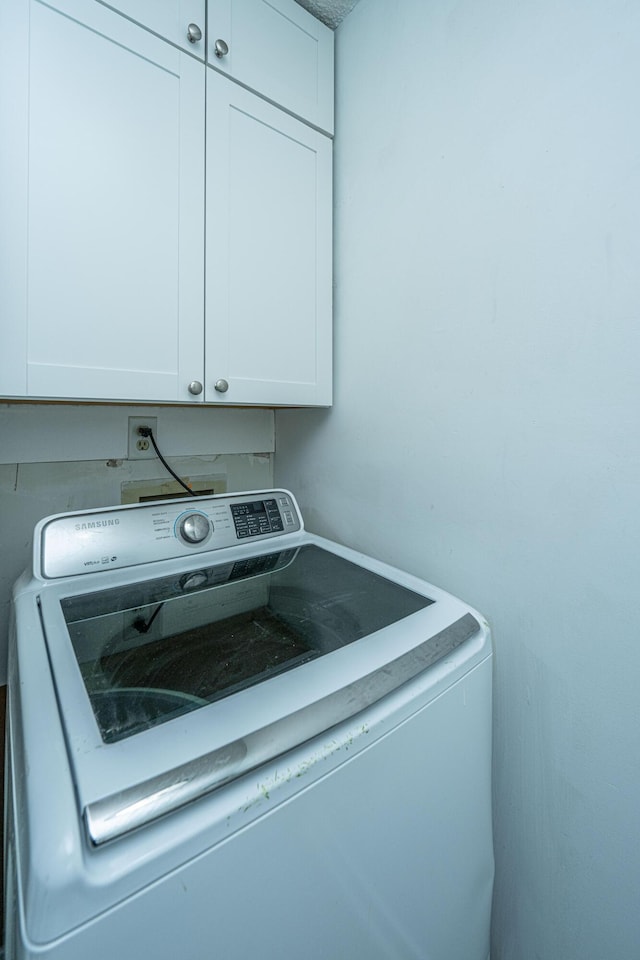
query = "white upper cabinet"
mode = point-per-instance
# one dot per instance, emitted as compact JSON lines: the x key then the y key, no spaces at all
{"x":268,"y":261}
{"x":105,"y":184}
{"x":103,"y":242}
{"x":278,"y":49}
{"x":274,"y":47}
{"x":180,"y":21}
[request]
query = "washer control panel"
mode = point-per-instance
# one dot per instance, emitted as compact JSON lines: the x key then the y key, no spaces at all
{"x":257,"y":517}
{"x":90,"y":541}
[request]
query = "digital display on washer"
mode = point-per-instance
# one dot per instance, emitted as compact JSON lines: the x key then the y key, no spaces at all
{"x":152,"y":651}
{"x":259,"y":517}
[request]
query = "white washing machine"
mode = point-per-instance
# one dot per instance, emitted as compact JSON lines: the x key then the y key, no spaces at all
{"x":229,"y":738}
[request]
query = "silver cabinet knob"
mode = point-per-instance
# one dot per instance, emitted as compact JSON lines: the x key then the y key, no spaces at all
{"x":194,"y":33}
{"x":195,"y":387}
{"x":221,"y":49}
{"x":221,"y":386}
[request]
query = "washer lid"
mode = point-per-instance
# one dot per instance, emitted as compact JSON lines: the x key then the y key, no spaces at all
{"x":155,"y":650}
{"x":172,"y":686}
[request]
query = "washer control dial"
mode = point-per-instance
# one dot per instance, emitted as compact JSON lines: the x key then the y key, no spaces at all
{"x":194,"y":527}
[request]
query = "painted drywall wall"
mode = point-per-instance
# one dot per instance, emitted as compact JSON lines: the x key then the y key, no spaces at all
{"x":61,"y":457}
{"x":485,"y":428}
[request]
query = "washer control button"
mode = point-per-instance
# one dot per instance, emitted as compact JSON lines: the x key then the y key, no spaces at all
{"x":194,"y":528}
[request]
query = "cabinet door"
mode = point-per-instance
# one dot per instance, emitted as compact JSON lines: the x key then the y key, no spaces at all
{"x":102,"y":289}
{"x":170,"y":19}
{"x":278,"y":49}
{"x":268,"y":253}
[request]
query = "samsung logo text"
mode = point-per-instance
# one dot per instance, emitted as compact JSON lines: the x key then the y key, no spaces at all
{"x":97,"y":524}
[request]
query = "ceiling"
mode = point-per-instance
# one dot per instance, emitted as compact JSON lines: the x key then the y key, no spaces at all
{"x":331,"y":12}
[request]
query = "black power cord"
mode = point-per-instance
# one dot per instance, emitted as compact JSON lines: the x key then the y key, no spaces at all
{"x":142,"y":625}
{"x":148,"y":432}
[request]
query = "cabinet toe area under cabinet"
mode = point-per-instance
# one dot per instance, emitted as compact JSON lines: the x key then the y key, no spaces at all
{"x":167,"y":234}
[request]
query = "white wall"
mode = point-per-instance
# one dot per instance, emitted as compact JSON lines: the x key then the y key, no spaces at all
{"x":60,"y":457}
{"x":486,"y":427}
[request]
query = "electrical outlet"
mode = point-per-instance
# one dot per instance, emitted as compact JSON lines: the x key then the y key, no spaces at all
{"x":139,"y":447}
